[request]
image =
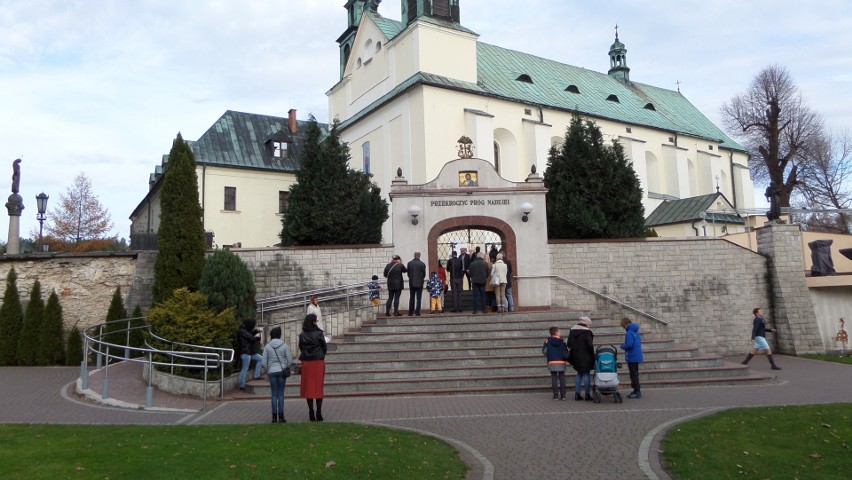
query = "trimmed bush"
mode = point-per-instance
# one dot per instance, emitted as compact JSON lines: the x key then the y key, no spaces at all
{"x":50,"y":351}
{"x":227,"y":282}
{"x":29,"y":339}
{"x":73,"y":347}
{"x":11,"y":320}
{"x":115,"y":332}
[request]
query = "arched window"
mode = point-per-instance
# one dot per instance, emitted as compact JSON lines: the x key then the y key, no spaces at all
{"x":572,"y":89}
{"x":650,"y":106}
{"x":497,"y":157}
{"x":613,"y":98}
{"x":524,"y":78}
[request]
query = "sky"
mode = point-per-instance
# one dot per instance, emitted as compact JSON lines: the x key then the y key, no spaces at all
{"x":104,"y":86}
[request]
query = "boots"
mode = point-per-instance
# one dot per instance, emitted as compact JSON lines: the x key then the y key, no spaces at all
{"x":772,"y":362}
{"x":319,"y":409}
{"x":274,"y":418}
{"x":748,"y":359}
{"x":311,"y":415}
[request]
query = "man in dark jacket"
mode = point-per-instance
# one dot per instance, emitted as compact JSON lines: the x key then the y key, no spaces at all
{"x":466,"y":259}
{"x":416,"y":277}
{"x":248,"y":339}
{"x":393,"y":272}
{"x":478,"y":271}
{"x":456,"y":270}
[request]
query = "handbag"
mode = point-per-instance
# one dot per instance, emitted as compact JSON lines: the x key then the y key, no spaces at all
{"x":286,"y":370}
{"x":566,"y":353}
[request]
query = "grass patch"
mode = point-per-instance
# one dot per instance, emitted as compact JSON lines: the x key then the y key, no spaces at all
{"x":292,"y":451}
{"x":781,"y":442}
{"x":831,"y":358}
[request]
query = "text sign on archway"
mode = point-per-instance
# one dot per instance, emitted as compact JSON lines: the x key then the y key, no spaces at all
{"x":472,"y":202}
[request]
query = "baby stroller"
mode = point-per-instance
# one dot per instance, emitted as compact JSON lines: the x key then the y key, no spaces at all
{"x":606,"y":374}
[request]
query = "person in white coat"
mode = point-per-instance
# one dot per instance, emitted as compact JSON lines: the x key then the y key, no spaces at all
{"x":499,"y":274}
{"x":314,"y":308}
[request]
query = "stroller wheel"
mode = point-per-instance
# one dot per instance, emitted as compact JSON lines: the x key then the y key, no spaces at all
{"x":596,"y":397}
{"x":618,"y":398}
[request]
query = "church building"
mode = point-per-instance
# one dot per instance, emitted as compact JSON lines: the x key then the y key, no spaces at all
{"x":410,"y":88}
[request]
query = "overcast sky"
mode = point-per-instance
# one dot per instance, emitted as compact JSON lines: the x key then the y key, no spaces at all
{"x":103,"y":86}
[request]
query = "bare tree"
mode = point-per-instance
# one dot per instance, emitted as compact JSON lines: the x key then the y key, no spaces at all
{"x":80,"y":216}
{"x":825,"y":180}
{"x":777,"y":127}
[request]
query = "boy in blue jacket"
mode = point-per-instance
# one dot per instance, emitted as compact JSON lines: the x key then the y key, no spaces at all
{"x":555,"y":348}
{"x":632,"y":347}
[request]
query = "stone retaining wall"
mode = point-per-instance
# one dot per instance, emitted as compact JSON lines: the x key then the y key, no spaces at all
{"x":705,"y":288}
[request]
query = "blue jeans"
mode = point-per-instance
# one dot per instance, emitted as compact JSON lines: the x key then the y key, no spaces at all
{"x":479,"y":297}
{"x":510,"y":300}
{"x":578,"y":382}
{"x":246,"y":360}
{"x":277,"y":381}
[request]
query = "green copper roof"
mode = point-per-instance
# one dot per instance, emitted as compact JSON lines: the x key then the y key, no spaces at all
{"x":689,"y":210}
{"x":243,"y":140}
{"x":499,"y":69}
{"x":638,"y":104}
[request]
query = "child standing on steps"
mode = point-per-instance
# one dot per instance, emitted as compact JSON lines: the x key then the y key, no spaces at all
{"x":436,"y":290}
{"x":632,"y":347}
{"x":556,"y":351}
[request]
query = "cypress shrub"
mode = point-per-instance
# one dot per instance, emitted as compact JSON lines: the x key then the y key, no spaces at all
{"x":137,"y":335}
{"x":11,"y":320}
{"x":115,"y":332}
{"x":74,"y":347}
{"x":227,"y":282}
{"x":50,"y":350}
{"x":29,"y":338}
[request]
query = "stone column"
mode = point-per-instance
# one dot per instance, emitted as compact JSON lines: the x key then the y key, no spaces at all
{"x":792,"y":309}
{"x":15,"y":205}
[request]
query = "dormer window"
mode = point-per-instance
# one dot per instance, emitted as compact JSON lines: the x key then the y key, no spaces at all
{"x":572,"y":89}
{"x":280,"y":150}
{"x":613,"y":98}
{"x":524,"y":78}
{"x":650,"y":106}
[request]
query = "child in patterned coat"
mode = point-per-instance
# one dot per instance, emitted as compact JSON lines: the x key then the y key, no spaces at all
{"x":436,"y":289}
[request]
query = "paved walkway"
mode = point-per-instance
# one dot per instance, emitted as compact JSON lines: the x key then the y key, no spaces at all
{"x":500,"y":436}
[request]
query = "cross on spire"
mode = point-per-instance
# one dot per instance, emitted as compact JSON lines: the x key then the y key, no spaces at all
{"x":616,"y":31}
{"x":678,"y":86}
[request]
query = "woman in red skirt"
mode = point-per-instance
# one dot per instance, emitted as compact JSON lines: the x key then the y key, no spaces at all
{"x":312,"y":349}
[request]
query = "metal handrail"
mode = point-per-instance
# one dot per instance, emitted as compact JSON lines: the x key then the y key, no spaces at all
{"x":599,"y":294}
{"x":205,"y":358}
{"x":301,"y":299}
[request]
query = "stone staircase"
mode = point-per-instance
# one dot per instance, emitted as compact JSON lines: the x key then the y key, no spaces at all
{"x":490,"y":353}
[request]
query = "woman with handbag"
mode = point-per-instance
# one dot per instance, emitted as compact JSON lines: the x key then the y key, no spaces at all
{"x":277,"y":359}
{"x":312,"y":350}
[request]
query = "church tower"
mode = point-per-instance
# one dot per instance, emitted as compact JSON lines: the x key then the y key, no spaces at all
{"x":354,"y":10}
{"x":442,"y":9}
{"x":618,"y":60}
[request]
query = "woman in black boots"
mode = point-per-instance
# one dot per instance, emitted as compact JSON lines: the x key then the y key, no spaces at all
{"x":312,"y":349}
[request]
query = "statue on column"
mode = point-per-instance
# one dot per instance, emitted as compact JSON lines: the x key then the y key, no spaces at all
{"x":773,"y":194}
{"x":16,"y":175}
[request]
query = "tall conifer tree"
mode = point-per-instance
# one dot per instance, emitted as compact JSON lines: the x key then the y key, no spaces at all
{"x":115,"y":332}
{"x":330,"y":204}
{"x":29,"y":339}
{"x":11,"y":319}
{"x":181,"y":234}
{"x":593,"y":191}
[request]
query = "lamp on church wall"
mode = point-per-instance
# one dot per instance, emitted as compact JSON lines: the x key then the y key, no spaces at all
{"x":414,"y":211}
{"x":526,"y":209}
{"x":41,"y":204}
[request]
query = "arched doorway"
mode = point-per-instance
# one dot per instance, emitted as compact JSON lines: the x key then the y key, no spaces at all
{"x":473,"y":231}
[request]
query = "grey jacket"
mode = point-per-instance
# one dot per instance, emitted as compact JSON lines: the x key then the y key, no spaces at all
{"x":276,"y":356}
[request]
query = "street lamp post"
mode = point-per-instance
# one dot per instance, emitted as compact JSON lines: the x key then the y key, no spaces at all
{"x":41,"y":202}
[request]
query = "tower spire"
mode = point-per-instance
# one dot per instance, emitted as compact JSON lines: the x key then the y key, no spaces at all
{"x":618,"y":60}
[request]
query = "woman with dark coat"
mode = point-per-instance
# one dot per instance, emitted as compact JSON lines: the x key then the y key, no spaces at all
{"x":312,"y":348}
{"x":581,"y":343}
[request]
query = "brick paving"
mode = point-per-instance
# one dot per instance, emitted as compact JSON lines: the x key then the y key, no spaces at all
{"x":504,"y":436}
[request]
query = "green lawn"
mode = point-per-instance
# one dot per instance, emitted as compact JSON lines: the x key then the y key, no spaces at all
{"x":268,"y":451}
{"x":831,"y":358}
{"x":801,"y":442}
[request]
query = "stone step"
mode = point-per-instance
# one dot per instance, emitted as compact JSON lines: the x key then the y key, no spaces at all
{"x":534,"y":342}
{"x":480,"y":333}
{"x":539,"y":379}
{"x":484,"y":366}
{"x":568,"y":317}
{"x":480,"y":324}
{"x":519,"y":352}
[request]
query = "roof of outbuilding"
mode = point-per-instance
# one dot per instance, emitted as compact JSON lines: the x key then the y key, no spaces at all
{"x":689,"y":210}
{"x":243,"y":140}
